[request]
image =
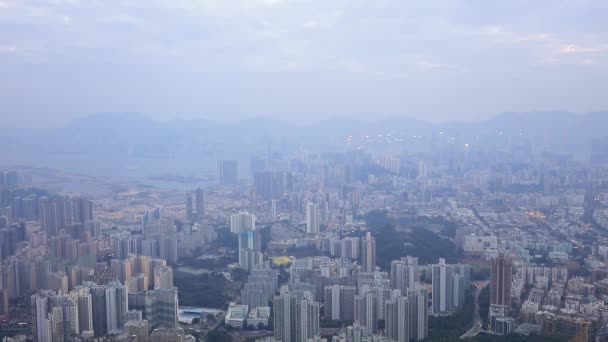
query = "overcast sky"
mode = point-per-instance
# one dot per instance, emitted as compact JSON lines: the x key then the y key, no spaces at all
{"x":300,"y":60}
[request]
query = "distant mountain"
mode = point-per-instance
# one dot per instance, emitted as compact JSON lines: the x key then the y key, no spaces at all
{"x":127,"y":134}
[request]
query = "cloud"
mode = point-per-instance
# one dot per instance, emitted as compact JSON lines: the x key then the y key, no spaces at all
{"x":573,"y":49}
{"x":8,"y":49}
{"x":151,"y":55}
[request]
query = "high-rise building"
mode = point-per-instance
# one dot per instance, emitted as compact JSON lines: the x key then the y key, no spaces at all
{"x":85,"y":308}
{"x":419,"y":316}
{"x":139,"y":329}
{"x":284,"y":312}
{"x":57,"y":281}
{"x":163,"y":277}
{"x":122,"y":269}
{"x":59,"y":213}
{"x":422,"y":169}
{"x":368,"y":253}
{"x":250,"y":259}
{"x":116,"y":305}
{"x":339,"y":302}
{"x":4,"y":303}
{"x":199,"y":197}
{"x":163,"y":304}
{"x":8,"y":242}
{"x":109,"y":306}
{"x":500,"y":283}
{"x":173,"y":334}
{"x":228,"y":172}
{"x":406,"y":317}
{"x":78,"y":274}
{"x":153,"y":264}
{"x":312,"y":218}
{"x":273,"y":210}
{"x":9,"y":179}
{"x":272,"y":185}
{"x":397,"y":319}
{"x":295,"y":319}
{"x":242,"y":222}
{"x":68,"y":311}
{"x":189,"y":209}
{"x":249,"y":239}
{"x":404,"y":273}
{"x":167,"y":248}
{"x":56,"y":317}
{"x":366,"y":311}
{"x":460,"y":283}
{"x":307,"y":317}
{"x":260,"y":288}
{"x":442,"y":278}
{"x":449,"y":285}
{"x":98,"y":303}
{"x":138,"y":283}
{"x":41,"y":324}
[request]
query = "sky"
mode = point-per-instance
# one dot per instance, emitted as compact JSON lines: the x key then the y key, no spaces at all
{"x":300,"y":60}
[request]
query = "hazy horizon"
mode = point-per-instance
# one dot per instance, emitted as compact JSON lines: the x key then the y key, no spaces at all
{"x":299,"y":61}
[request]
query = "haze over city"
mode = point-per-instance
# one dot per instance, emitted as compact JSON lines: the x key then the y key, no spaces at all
{"x":303,"y":171}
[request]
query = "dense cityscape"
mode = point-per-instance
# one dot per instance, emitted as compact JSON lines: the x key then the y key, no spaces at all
{"x":450,"y":244}
{"x":303,"y":171}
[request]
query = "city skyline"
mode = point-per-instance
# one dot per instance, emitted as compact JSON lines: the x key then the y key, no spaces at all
{"x":303,"y":171}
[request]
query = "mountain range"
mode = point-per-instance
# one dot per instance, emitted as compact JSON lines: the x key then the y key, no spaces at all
{"x":122,"y":134}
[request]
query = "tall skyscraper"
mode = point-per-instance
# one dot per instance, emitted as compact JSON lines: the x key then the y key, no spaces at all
{"x":163,"y":303}
{"x":312,"y":218}
{"x":368,"y":253}
{"x":422,"y":169}
{"x":116,"y":305}
{"x":242,"y":222}
{"x":122,"y":269}
{"x":398,"y":319}
{"x":249,"y":239}
{"x":85,"y":308}
{"x":189,"y":209}
{"x":57,"y":317}
{"x":442,"y":277}
{"x":295,"y":319}
{"x":9,"y":179}
{"x":163,"y":277}
{"x":59,"y":213}
{"x":153,"y":264}
{"x":406,"y":317}
{"x":404,"y":273}
{"x":500,"y":284}
{"x":138,"y":283}
{"x":366,"y":311}
{"x":41,"y":324}
{"x":284,"y":312}
{"x":109,"y":306}
{"x":419,"y":316}
{"x":273,"y":210}
{"x":200,"y":204}
{"x":307,"y":317}
{"x":272,"y":185}
{"x":4,"y":308}
{"x":228,"y":172}
{"x":339,"y":302}
{"x":168,"y":248}
{"x":138,"y":328}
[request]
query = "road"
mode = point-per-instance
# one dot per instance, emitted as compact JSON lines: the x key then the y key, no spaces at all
{"x":478,"y":323}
